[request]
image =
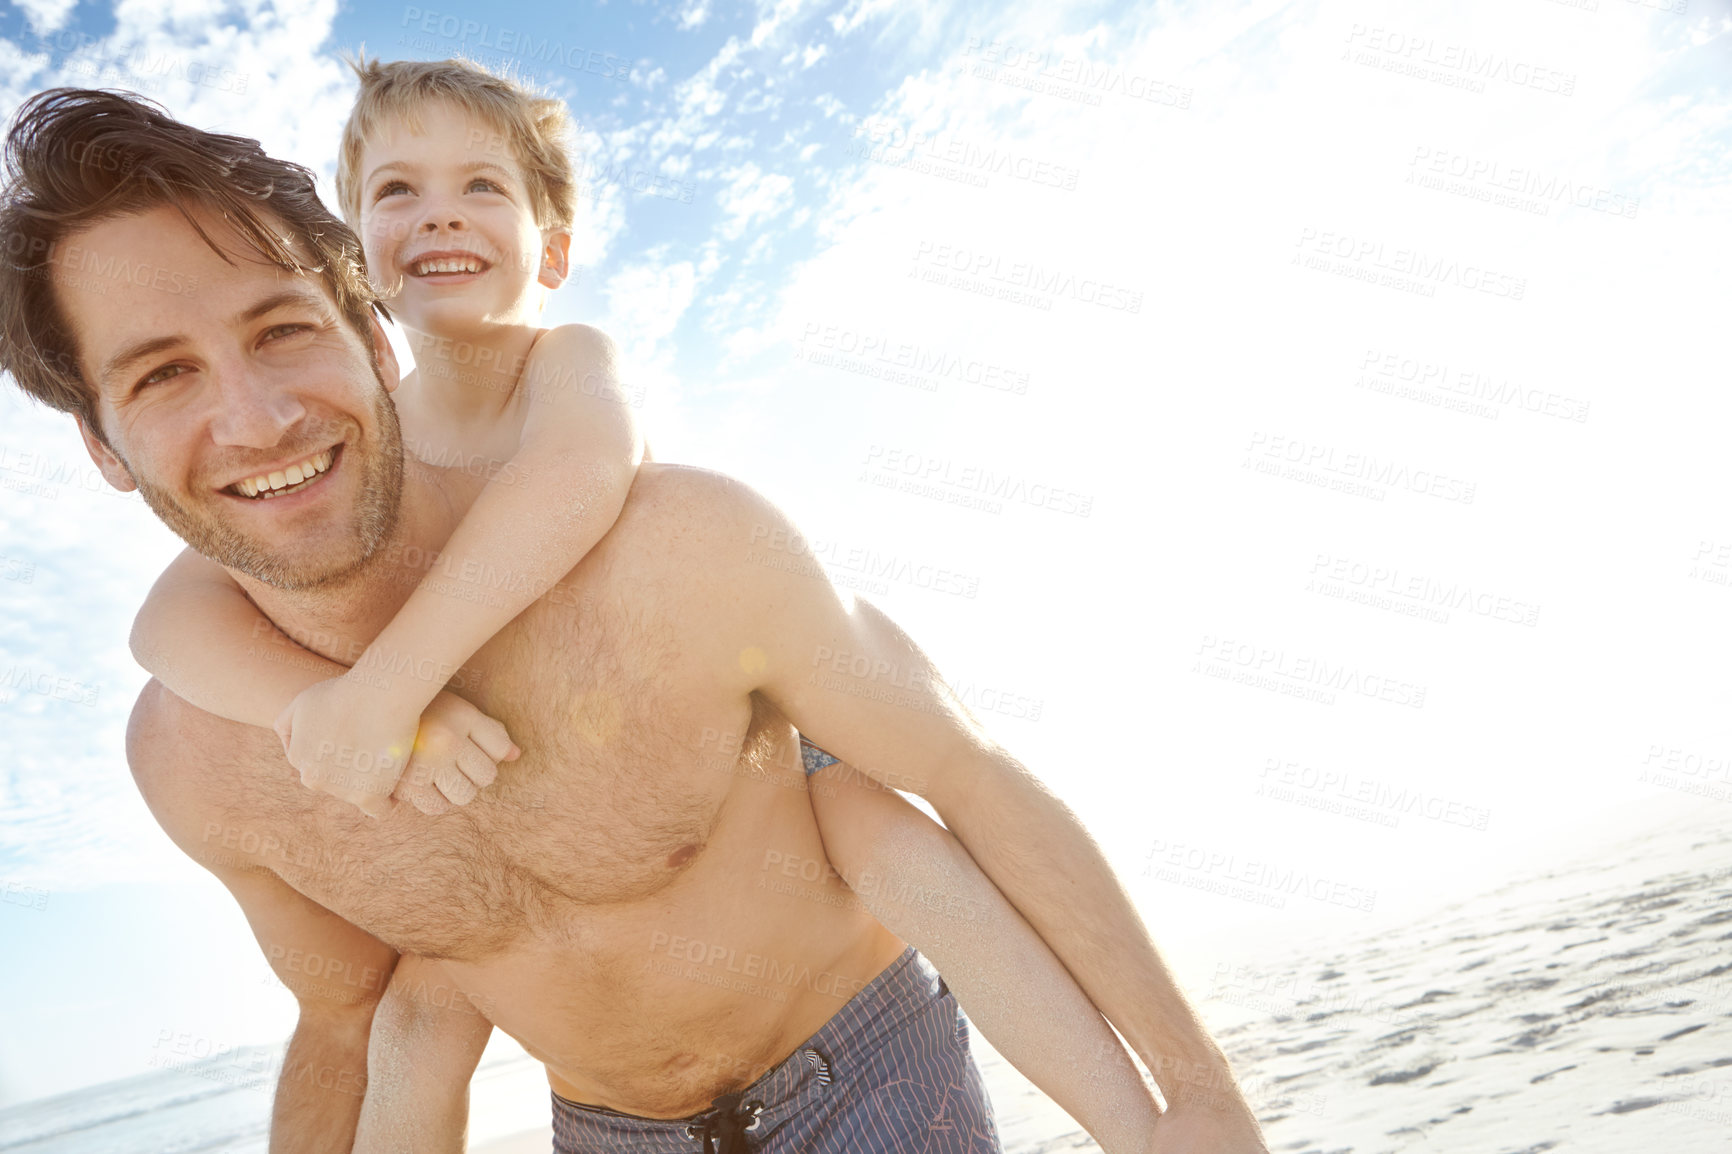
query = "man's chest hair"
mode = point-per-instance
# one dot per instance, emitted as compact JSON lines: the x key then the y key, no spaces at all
{"x":614,"y":781}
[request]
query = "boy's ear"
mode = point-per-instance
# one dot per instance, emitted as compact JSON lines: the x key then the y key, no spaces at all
{"x":113,"y":469}
{"x":555,"y":260}
{"x":385,"y":357}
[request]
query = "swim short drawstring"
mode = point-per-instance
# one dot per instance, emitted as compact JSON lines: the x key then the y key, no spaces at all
{"x":724,"y":1131}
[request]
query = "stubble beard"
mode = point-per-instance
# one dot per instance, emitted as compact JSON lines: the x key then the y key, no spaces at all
{"x":377,"y":507}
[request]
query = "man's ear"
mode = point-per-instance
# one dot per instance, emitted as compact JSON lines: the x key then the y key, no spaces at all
{"x":113,"y":469}
{"x":555,"y":260}
{"x":385,"y":357}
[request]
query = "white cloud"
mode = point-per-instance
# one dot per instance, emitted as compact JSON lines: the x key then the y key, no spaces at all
{"x":751,"y":197}
{"x":46,"y":16}
{"x":694,"y":14}
{"x":645,"y":301}
{"x":773,"y":16}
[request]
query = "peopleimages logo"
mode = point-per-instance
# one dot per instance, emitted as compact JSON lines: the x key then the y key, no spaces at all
{"x":478,"y":35}
{"x":989,"y":269}
{"x":1372,"y":256}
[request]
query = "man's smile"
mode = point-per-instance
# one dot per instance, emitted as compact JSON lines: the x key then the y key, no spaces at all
{"x":294,"y":478}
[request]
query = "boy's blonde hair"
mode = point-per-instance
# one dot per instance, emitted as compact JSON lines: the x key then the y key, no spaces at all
{"x":538,"y":128}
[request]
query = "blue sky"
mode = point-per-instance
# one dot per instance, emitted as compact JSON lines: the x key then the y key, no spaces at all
{"x":1259,"y":409}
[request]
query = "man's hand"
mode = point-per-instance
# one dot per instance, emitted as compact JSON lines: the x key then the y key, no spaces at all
{"x":354,"y":741}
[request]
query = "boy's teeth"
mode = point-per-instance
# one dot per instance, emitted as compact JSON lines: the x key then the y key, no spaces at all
{"x":447,"y":264}
{"x":293,"y":475}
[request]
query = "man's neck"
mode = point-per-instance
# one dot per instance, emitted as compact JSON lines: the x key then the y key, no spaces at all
{"x":339,"y":619}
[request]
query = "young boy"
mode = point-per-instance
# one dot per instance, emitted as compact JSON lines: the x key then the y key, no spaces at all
{"x":460,"y":185}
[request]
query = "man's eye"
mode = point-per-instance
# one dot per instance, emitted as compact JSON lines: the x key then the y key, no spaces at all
{"x":162,"y":374}
{"x":278,"y":331}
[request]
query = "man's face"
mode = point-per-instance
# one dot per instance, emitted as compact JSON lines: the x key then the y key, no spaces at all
{"x":211,"y":377}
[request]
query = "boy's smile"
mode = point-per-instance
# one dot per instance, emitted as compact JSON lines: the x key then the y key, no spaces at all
{"x":446,"y":266}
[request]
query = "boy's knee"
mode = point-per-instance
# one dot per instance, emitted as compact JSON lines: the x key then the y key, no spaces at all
{"x":871,"y":829}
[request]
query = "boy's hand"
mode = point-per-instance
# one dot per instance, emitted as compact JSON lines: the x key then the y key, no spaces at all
{"x":456,"y":755}
{"x":349,"y":740}
{"x":354,"y":742}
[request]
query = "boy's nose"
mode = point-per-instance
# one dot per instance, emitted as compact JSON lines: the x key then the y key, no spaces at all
{"x":449,"y":221}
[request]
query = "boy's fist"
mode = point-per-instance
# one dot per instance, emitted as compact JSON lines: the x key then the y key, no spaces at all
{"x":353,"y":741}
{"x":348,"y":740}
{"x":456,"y":755}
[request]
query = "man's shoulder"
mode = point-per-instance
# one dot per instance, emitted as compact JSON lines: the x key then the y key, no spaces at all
{"x":181,"y":756}
{"x":691,"y":542}
{"x":704,"y":508}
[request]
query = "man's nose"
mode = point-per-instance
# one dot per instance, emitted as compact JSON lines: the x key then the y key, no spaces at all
{"x":253,"y":412}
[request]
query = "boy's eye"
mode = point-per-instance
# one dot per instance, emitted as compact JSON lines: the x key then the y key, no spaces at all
{"x":390,"y":188}
{"x":485,"y":184}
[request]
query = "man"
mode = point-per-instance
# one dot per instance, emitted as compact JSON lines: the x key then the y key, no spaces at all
{"x":623,"y":686}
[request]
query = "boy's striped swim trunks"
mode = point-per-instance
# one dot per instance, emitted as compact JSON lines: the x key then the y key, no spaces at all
{"x":812,"y":759}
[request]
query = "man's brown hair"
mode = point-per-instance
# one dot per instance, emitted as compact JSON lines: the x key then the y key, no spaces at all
{"x":75,"y":157}
{"x":538,"y":128}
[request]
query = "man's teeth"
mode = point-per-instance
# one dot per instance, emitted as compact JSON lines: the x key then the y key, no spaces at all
{"x":270,"y":483}
{"x":446,"y":264}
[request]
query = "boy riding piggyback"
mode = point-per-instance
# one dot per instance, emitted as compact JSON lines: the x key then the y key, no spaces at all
{"x":461,"y":187}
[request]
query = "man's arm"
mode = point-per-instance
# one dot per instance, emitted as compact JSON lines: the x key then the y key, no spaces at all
{"x":858,"y":686}
{"x":324,"y":1074}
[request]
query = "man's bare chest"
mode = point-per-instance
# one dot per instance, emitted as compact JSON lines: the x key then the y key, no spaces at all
{"x":616,"y":797}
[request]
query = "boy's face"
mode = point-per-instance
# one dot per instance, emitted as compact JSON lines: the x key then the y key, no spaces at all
{"x":448,"y":226}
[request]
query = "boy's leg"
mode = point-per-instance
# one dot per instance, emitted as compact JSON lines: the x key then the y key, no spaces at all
{"x":426,"y":1042}
{"x":922,"y":884}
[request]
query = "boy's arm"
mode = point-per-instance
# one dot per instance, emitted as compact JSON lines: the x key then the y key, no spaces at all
{"x":201,"y":635}
{"x":536,"y":518}
{"x":859,"y":687}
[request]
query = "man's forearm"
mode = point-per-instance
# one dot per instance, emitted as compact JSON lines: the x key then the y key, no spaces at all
{"x":1039,"y":855}
{"x":323,"y":1082}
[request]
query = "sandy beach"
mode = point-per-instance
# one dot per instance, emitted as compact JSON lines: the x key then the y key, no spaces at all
{"x":1588,"y":1008}
{"x":1584,"y":1009}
